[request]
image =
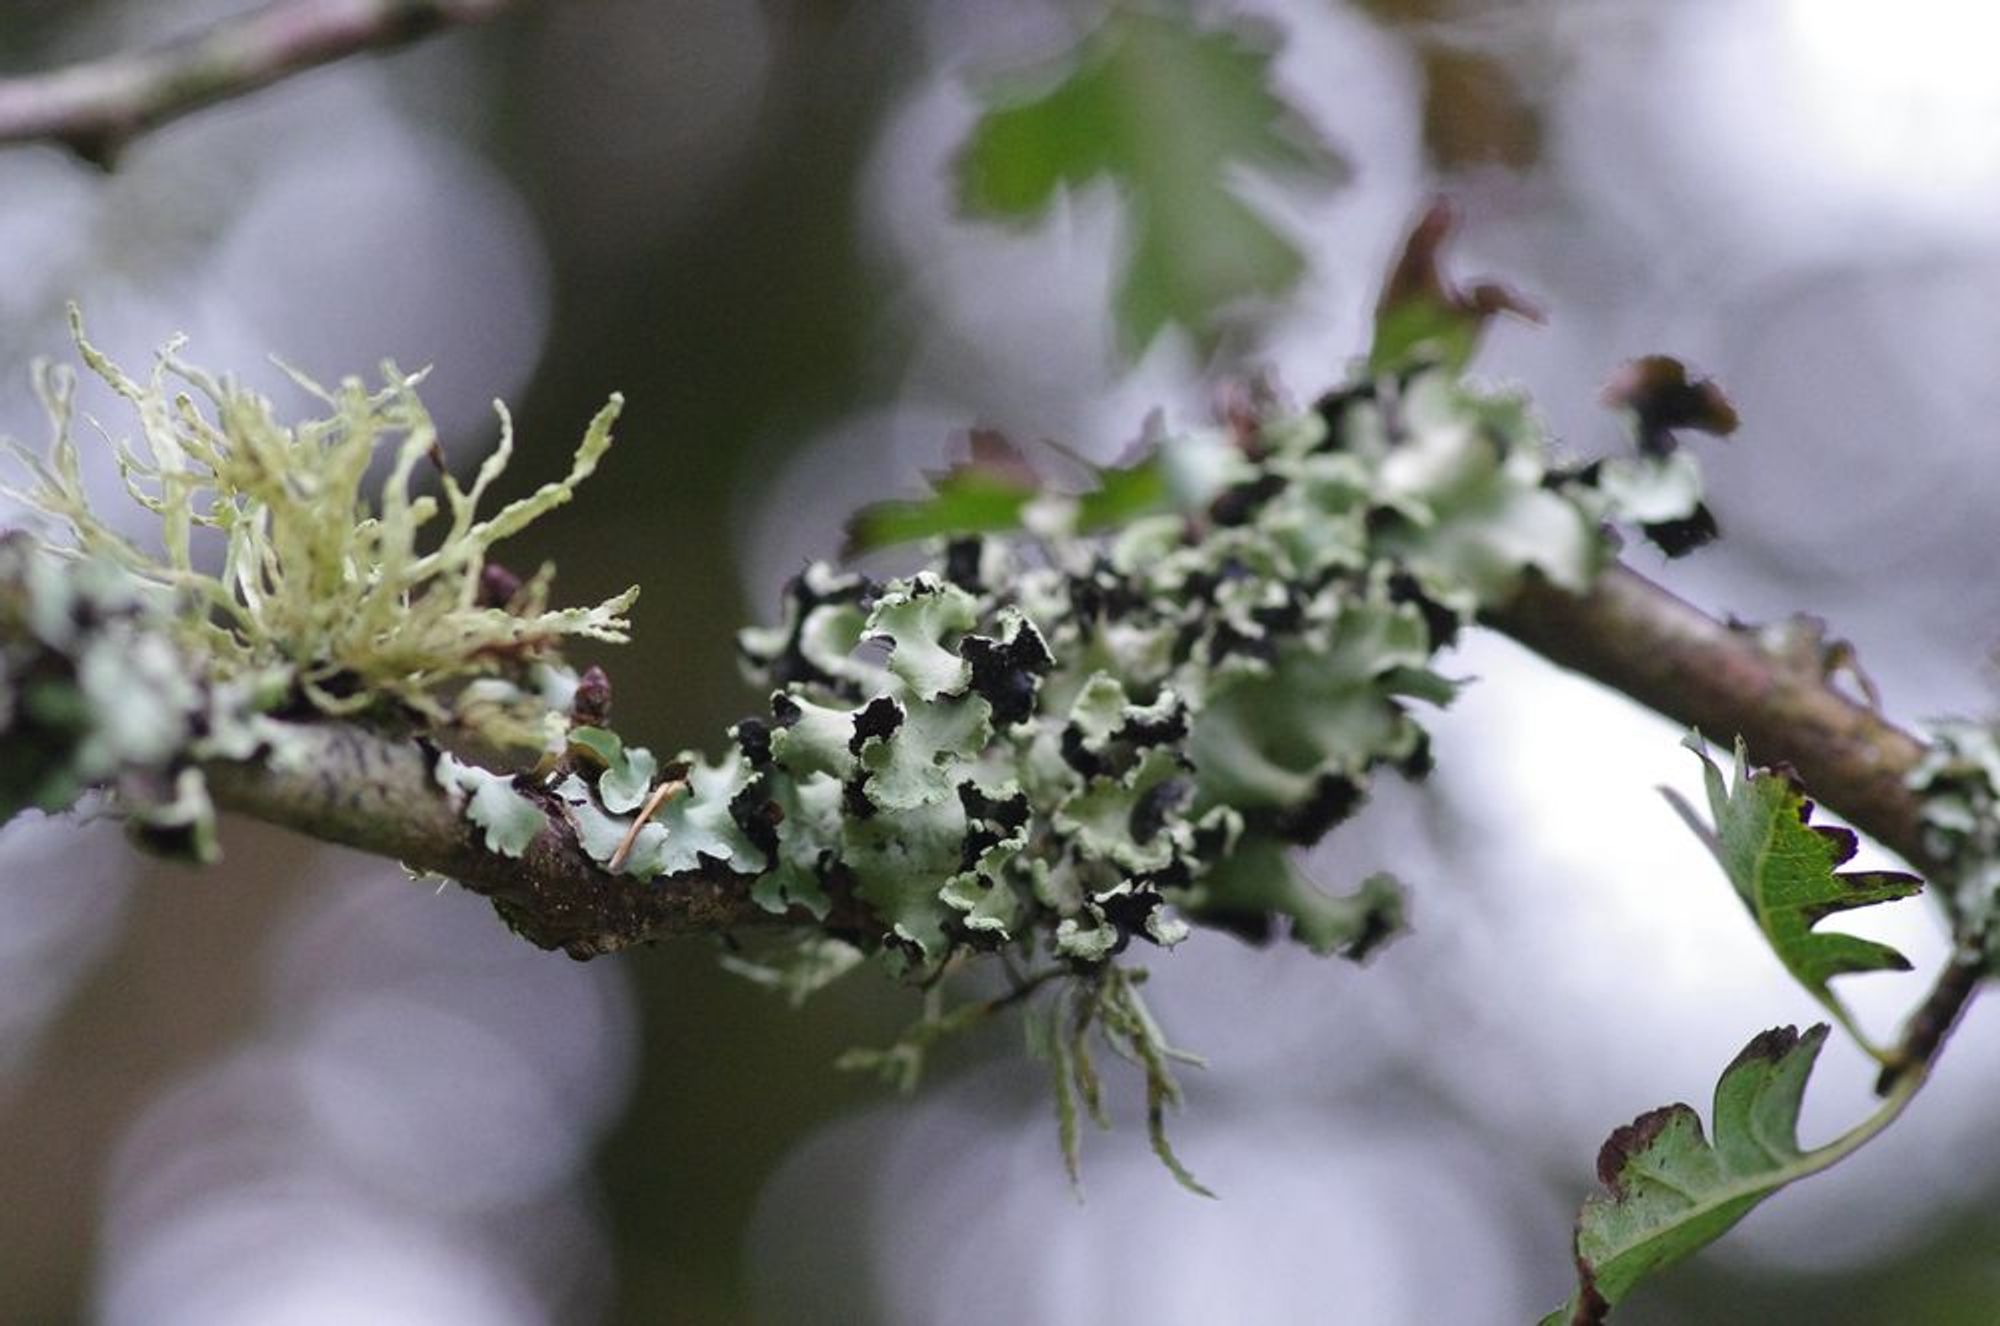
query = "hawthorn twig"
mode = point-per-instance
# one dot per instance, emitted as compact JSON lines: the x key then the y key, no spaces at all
{"x":376,"y":793}
{"x":1643,"y":641}
{"x":96,"y":107}
{"x":1639,"y":639}
{"x":1932,"y":1023}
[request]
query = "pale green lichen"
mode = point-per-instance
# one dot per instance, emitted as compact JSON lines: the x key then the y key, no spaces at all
{"x":279,"y":584}
{"x":1055,"y":748}
{"x":508,"y":819}
{"x":360,"y":601}
{"x":1958,"y":785}
{"x":96,"y":692}
{"x":628,"y":773}
{"x":1048,"y":749}
{"x":1203,"y":687}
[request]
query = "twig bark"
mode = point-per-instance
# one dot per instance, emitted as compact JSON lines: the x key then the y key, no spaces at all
{"x":1645,"y":642}
{"x":347,"y":785}
{"x":1931,"y":1025}
{"x":97,"y":107}
{"x":1641,"y":640}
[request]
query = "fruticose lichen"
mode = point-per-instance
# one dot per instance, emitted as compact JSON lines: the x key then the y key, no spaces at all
{"x":353,"y":602}
{"x":125,"y":668}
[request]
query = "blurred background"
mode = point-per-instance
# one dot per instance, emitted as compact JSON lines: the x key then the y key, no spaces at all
{"x":300,"y":1088}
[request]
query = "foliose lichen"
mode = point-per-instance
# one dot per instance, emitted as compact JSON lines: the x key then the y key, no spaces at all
{"x":1958,"y":782}
{"x":1055,"y":746}
{"x":1068,"y":744}
{"x":1049,"y":746}
{"x":95,"y":692}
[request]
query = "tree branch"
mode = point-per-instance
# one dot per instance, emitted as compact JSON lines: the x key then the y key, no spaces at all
{"x":1641,"y":640}
{"x":96,"y":107}
{"x":377,"y":794}
{"x":344,"y":784}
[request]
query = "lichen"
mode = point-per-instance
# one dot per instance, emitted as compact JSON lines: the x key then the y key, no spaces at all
{"x":95,"y":692}
{"x":1056,"y":746}
{"x":279,"y":585}
{"x":377,"y":603}
{"x":1958,"y":785}
{"x":507,"y":818}
{"x":1066,"y":751}
{"x":1049,"y":747}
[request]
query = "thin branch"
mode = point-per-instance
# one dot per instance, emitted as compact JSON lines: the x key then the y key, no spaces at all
{"x":1644,"y":642}
{"x":1641,"y":640}
{"x":344,"y":784}
{"x":1931,"y":1025}
{"x":95,"y":108}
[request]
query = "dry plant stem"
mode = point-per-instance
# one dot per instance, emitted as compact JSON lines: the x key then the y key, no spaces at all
{"x":662,"y":794}
{"x":96,"y":107}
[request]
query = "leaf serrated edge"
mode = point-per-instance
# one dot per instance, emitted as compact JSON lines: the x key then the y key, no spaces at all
{"x":1843,"y":842}
{"x":1587,"y":1305}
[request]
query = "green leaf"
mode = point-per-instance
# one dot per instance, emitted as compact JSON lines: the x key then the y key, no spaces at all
{"x":985,"y":494}
{"x":1783,"y":867}
{"x":1171,"y":113}
{"x":1425,"y":318}
{"x":1671,"y":1191}
{"x":990,"y":493}
{"x":961,"y":502}
{"x":1122,"y":495}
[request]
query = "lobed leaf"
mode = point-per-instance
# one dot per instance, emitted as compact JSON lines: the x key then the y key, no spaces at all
{"x":991,"y":493}
{"x":1786,"y":871}
{"x":1423,"y":317}
{"x":1670,"y":1191}
{"x":1170,"y":112}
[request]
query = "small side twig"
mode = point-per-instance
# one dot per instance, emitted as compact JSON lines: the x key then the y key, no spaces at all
{"x":1931,"y":1024}
{"x":96,"y":107}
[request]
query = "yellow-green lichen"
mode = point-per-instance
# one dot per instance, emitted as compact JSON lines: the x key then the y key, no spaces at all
{"x":354,"y":597}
